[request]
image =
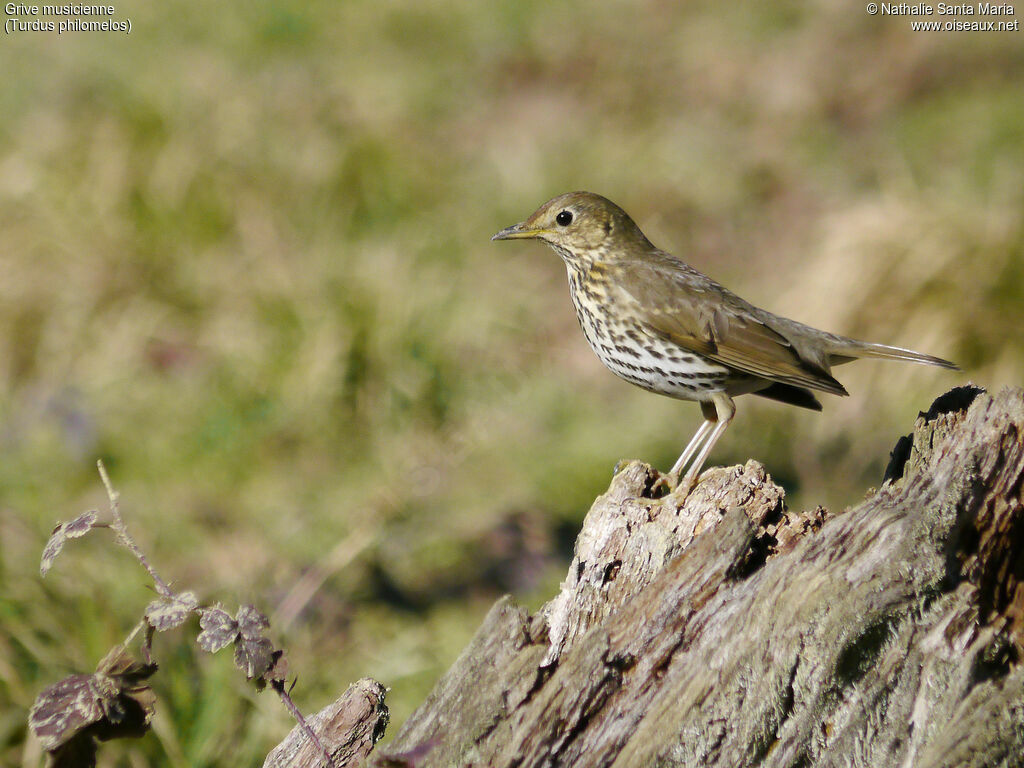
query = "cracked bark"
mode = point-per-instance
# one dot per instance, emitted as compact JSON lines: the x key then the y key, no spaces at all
{"x":733,"y":631}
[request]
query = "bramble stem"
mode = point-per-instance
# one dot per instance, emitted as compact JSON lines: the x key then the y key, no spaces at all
{"x":278,"y":685}
{"x":162,"y":587}
{"x":122,"y":533}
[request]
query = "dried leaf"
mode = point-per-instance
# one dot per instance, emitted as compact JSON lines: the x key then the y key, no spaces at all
{"x":167,"y":613}
{"x":251,"y":623}
{"x":115,"y":702}
{"x":254,"y":656}
{"x":81,"y":525}
{"x":128,"y":671}
{"x":73,"y":529}
{"x":219,"y":629}
{"x":64,"y":709}
{"x":278,"y":668}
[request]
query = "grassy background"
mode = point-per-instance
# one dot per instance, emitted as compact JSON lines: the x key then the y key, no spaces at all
{"x":245,"y":261}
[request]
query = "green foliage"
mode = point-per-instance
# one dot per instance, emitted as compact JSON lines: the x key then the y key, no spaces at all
{"x":246,"y":263}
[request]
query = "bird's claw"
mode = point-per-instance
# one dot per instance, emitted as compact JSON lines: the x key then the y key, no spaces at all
{"x":674,"y":487}
{"x":682,"y":488}
{"x":664,"y":481}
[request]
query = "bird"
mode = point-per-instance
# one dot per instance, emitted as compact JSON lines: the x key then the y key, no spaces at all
{"x":658,"y":323}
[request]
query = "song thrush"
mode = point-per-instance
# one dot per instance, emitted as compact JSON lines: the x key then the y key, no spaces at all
{"x":662,"y":325}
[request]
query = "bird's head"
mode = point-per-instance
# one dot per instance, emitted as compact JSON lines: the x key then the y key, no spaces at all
{"x":580,"y":226}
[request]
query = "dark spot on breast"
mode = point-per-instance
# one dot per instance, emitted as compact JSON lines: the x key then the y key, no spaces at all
{"x":626,"y":350}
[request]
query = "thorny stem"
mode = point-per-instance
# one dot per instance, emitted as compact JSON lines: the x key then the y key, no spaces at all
{"x":278,"y":685}
{"x":122,"y":533}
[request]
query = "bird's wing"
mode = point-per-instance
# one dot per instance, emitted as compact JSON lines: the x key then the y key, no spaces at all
{"x":683,"y":306}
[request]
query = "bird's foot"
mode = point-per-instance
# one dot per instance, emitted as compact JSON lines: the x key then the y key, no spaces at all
{"x":682,"y":488}
{"x":675,"y":488}
{"x":662,"y":486}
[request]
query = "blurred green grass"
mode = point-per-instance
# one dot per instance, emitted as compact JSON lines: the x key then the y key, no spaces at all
{"x":246,"y":263}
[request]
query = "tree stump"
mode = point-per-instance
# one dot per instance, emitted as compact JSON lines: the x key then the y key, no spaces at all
{"x":730,"y":631}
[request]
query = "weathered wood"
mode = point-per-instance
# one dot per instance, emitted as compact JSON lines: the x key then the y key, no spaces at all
{"x":729,"y":631}
{"x":347,"y":728}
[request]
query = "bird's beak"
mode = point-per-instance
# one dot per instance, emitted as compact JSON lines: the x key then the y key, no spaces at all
{"x":518,"y":231}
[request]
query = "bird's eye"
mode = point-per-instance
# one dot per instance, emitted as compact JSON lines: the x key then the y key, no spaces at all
{"x":564,"y":218}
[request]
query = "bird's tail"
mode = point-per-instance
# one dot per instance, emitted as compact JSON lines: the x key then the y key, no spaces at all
{"x":850,"y":349}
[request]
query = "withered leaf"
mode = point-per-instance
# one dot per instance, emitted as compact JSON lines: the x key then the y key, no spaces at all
{"x":81,"y":525}
{"x":219,"y":629}
{"x":251,"y":623}
{"x":167,"y":613}
{"x":72,"y":529}
{"x":254,"y":656}
{"x":115,"y":702}
{"x":278,"y":667}
{"x":129,"y":672}
{"x":64,"y":709}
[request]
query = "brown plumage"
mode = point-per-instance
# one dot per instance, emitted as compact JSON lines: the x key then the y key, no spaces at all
{"x":662,"y":325}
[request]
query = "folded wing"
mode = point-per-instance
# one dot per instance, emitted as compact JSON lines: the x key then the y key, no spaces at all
{"x":681,"y":305}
